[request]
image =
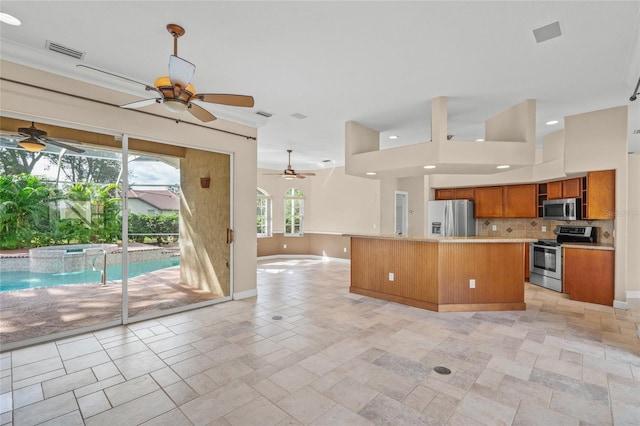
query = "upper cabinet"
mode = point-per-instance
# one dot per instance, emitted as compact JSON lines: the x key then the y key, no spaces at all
{"x":520,"y":201}
{"x":488,"y":201}
{"x":455,"y":194}
{"x":569,"y":188}
{"x":600,"y":197}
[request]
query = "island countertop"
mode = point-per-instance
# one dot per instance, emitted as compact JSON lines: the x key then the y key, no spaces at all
{"x":475,"y":239}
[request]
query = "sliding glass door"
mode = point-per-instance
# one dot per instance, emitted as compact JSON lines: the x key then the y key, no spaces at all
{"x":99,"y":230}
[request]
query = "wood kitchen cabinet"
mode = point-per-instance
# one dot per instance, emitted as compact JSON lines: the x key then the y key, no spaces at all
{"x":568,"y":188}
{"x":520,"y":201}
{"x":488,"y":201}
{"x":588,"y":275}
{"x":455,"y":194}
{"x":600,"y":200}
{"x":445,"y":194}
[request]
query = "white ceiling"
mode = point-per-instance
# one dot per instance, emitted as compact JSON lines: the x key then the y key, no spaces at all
{"x":377,"y":63}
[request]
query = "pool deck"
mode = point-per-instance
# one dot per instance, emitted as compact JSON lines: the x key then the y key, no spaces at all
{"x":31,"y":313}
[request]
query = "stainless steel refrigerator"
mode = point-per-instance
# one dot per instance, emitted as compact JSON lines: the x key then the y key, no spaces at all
{"x":450,"y":218}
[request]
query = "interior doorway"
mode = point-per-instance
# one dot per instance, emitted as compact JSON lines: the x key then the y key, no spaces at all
{"x":401,"y":222}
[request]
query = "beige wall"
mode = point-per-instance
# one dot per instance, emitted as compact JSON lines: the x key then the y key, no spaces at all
{"x":334,"y":202}
{"x":325,"y":245}
{"x":21,"y":101}
{"x":205,"y":216}
{"x":633,"y":215}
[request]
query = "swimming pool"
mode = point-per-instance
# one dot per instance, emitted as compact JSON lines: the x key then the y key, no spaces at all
{"x":21,"y":280}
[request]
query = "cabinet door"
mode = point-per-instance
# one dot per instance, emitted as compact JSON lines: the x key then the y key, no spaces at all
{"x":488,"y":201}
{"x":601,"y":195}
{"x":444,"y":194}
{"x":464,"y":194}
{"x":554,"y":190}
{"x":589,"y":275}
{"x":521,"y":200}
{"x":572,"y":188}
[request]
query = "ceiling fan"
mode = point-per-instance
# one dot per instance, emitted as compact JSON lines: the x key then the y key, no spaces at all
{"x":289,"y":173}
{"x":176,"y":92}
{"x":33,"y":139}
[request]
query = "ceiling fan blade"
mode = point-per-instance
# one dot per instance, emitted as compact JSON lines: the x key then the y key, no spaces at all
{"x":143,"y":103}
{"x":13,"y":136}
{"x":299,"y":176}
{"x":224,"y":99}
{"x":306,"y":174}
{"x":180,"y":71}
{"x":110,"y":74}
{"x":64,"y":145}
{"x":200,"y":113}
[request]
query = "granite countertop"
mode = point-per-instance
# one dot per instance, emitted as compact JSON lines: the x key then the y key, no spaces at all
{"x":589,"y":246}
{"x":476,"y":239}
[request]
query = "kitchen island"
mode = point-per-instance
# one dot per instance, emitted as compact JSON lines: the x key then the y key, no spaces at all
{"x":441,"y":274}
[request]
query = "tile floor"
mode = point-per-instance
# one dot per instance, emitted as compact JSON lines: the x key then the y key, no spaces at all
{"x":306,"y":351}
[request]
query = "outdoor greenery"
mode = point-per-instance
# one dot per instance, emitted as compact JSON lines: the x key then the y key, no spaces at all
{"x":154,"y":225}
{"x":33,"y":213}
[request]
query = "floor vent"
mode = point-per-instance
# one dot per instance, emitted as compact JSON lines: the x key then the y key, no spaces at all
{"x":63,"y":50}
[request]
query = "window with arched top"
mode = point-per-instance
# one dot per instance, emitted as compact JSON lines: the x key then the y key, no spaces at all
{"x":263,"y":213}
{"x":293,"y":213}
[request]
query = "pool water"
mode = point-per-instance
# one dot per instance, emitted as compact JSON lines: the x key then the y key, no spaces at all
{"x":20,"y":280}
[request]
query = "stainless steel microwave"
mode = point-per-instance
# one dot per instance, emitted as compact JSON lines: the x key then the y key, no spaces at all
{"x":563,"y":209}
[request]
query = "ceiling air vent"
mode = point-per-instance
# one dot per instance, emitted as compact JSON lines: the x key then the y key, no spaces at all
{"x":299,"y":116}
{"x":264,"y":114}
{"x":547,"y":32}
{"x":636,"y":132}
{"x":63,"y":50}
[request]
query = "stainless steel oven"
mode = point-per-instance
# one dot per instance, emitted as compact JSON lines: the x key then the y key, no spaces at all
{"x":546,"y":265}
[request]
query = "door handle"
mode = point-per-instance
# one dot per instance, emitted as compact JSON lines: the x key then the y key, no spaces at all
{"x":229,"y":235}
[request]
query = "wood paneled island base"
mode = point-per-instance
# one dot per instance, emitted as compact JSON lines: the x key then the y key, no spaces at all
{"x":436,"y":274}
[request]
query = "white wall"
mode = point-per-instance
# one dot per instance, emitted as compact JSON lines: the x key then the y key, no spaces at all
{"x":22,"y":101}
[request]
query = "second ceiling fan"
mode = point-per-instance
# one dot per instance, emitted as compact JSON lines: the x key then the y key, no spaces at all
{"x":290,"y":173}
{"x":176,"y":92}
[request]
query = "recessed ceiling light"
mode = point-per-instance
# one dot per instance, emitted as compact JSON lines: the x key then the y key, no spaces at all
{"x":430,"y":166}
{"x":552,"y":122}
{"x":479,"y":140}
{"x":503,"y":166}
{"x":8,"y":19}
{"x":393,"y":137}
{"x":371,"y":173}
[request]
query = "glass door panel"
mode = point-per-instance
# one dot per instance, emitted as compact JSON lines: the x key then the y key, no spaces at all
{"x":61,"y":229}
{"x":178,"y":216}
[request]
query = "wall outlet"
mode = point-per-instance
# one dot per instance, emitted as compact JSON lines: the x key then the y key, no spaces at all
{"x":494,"y":228}
{"x":284,"y":246}
{"x":345,"y":249}
{"x":472,"y":283}
{"x":374,"y":226}
{"x":544,"y":228}
{"x":391,"y":277}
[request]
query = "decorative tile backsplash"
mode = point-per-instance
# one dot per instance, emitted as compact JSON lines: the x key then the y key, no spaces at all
{"x":532,"y":228}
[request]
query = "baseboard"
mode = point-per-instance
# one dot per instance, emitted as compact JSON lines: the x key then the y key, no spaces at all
{"x":245,"y":294}
{"x":633,"y":295}
{"x":620,"y":305}
{"x":303,"y":256}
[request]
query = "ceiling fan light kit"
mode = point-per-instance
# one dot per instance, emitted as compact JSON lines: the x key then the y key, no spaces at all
{"x":32,"y":145}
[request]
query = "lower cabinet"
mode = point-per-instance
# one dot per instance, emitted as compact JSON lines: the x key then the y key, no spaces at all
{"x":588,"y":275}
